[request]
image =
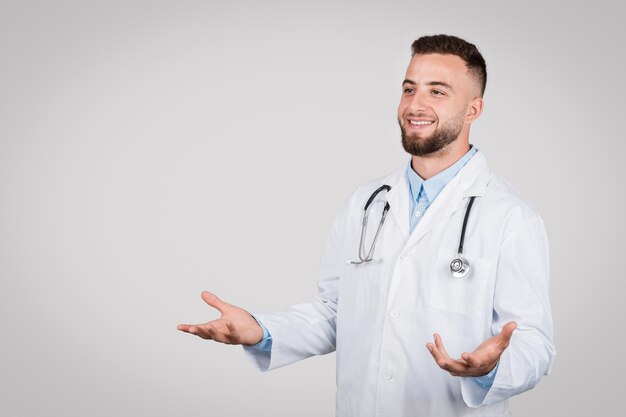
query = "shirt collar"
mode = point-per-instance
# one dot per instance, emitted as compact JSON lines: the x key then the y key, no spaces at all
{"x":433,"y":186}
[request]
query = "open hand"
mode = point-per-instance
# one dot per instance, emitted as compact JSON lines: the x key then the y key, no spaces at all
{"x":478,"y":363}
{"x":235,"y":326}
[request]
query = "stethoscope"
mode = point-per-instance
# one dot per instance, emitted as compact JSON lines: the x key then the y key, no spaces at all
{"x":369,"y":256}
{"x":459,"y":267}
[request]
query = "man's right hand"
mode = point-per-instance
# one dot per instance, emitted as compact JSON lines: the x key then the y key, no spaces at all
{"x":235,"y":327}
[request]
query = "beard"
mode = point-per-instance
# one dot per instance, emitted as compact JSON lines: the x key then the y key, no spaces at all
{"x":445,"y":134}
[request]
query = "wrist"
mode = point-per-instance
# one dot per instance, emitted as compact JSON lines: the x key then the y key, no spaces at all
{"x":261,"y":332}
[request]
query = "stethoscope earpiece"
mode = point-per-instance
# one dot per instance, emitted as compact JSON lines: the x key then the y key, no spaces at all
{"x":459,"y":267}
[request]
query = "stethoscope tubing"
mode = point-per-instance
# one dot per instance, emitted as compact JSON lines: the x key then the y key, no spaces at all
{"x":369,"y":256}
{"x":459,"y":267}
{"x":467,"y":212}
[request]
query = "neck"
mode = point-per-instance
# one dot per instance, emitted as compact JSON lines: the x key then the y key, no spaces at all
{"x":430,"y":165}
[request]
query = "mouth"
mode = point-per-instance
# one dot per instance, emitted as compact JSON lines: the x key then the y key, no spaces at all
{"x":419,"y":123}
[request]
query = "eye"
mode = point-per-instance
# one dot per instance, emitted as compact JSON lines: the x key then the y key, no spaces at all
{"x":407,"y":90}
{"x":438,"y":93}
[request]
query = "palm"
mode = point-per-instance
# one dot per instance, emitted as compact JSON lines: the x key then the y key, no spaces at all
{"x":235,"y":325}
{"x":490,"y":349}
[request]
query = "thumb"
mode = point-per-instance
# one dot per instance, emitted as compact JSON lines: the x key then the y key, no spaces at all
{"x":507,"y":331}
{"x":214,"y":301}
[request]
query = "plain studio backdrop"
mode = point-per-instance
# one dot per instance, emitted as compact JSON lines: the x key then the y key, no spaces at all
{"x":150,"y":150}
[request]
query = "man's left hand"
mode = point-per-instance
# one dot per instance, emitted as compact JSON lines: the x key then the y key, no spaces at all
{"x":478,"y":363}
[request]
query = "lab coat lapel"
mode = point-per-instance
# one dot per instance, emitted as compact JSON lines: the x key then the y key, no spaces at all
{"x":398,"y":198}
{"x":470,"y":181}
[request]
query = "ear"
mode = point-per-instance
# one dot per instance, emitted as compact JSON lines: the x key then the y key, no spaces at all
{"x":474,"y":109}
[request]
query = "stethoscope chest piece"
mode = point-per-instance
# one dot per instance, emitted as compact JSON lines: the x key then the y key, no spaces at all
{"x":459,"y":267}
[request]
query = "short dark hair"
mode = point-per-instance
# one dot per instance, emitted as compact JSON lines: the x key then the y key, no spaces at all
{"x":446,"y":44}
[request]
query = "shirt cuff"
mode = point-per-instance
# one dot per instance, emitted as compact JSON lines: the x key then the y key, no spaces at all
{"x":265,"y":345}
{"x":486,"y":381}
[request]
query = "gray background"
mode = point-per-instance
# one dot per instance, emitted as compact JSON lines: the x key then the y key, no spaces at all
{"x":153,"y":149}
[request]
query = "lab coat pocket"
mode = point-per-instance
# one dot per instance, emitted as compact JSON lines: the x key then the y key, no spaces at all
{"x":465,"y":295}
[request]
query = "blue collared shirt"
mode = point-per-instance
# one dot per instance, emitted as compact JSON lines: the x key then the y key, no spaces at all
{"x":422,"y":193}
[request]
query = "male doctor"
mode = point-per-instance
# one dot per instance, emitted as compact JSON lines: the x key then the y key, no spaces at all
{"x":412,"y":336}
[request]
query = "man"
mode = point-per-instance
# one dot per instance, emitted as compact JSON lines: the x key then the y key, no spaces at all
{"x":408,"y":286}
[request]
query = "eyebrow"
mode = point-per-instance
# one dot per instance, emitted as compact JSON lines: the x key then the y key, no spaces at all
{"x":432,"y":83}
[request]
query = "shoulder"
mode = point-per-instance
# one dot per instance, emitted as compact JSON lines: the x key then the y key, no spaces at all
{"x":394,"y":179}
{"x":506,"y":204}
{"x":355,"y":202}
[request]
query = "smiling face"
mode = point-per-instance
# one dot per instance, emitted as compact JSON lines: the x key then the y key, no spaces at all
{"x":440,"y":99}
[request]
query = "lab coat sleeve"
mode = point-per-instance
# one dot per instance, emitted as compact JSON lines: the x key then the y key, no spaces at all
{"x":306,"y":329}
{"x":521,"y":295}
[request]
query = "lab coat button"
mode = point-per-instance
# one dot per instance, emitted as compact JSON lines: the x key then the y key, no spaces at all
{"x":394,"y":314}
{"x":387,"y":375}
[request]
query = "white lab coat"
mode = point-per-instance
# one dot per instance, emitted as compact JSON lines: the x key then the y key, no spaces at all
{"x":379,"y":316}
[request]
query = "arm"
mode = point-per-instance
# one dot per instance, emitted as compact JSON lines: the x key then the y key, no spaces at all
{"x":301,"y":331}
{"x":523,"y":347}
{"x":308,"y":329}
{"x":521,"y":294}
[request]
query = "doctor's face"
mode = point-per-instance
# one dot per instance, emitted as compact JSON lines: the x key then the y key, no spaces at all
{"x":439,"y":101}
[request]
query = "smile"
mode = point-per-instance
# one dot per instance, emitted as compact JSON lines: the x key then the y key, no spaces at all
{"x":420,"y":122}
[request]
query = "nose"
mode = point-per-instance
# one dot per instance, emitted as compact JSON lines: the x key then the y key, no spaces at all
{"x":417,"y":103}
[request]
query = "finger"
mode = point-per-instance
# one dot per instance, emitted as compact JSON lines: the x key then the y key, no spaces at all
{"x":439,"y":344}
{"x":218,"y":332}
{"x":463,"y":362}
{"x":507,"y":332}
{"x":183,"y":327}
{"x":200,"y":331}
{"x":458,"y":367}
{"x":188,"y":328}
{"x":213,"y":300}
{"x":441,"y":361}
{"x":438,"y":356}
{"x":471,"y":360}
{"x":191,"y":329}
{"x":453,"y":366}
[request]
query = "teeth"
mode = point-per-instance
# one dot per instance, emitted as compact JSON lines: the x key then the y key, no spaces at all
{"x":420,"y":123}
